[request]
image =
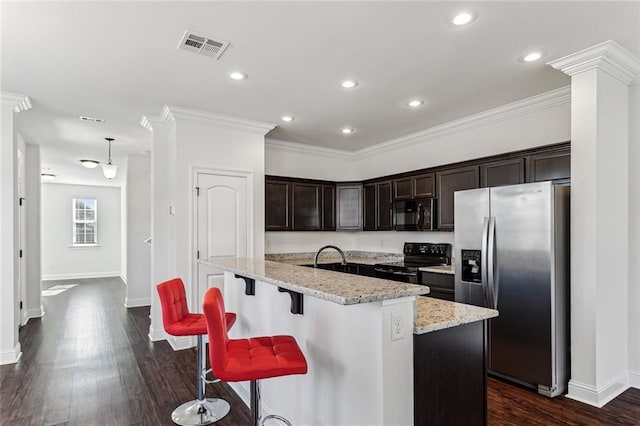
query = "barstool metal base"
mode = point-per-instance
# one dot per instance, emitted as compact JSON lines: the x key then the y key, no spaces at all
{"x":200,"y":412}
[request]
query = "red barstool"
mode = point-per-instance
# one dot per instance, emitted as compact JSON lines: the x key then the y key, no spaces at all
{"x":238,"y":360}
{"x":178,"y":321}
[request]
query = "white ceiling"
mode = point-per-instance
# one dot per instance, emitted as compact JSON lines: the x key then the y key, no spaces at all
{"x":118,"y":61}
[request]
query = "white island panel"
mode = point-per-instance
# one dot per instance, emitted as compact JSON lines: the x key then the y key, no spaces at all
{"x":357,"y":374}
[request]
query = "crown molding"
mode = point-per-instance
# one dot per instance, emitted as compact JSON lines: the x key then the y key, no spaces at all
{"x":16,"y":101}
{"x":608,"y":56}
{"x":525,"y":106}
{"x":170,"y":112}
{"x":309,"y":149}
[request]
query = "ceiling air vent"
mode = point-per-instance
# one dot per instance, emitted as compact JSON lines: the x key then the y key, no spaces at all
{"x":202,"y":45}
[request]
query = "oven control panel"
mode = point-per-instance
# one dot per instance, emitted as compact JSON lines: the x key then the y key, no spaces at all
{"x":429,"y":249}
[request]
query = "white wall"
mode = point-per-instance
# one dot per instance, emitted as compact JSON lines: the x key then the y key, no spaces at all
{"x":9,"y":294}
{"x":540,"y":120}
{"x":203,"y":146}
{"x":184,"y":140}
{"x":59,"y":259}
{"x":634,"y":234}
{"x":138,"y":217}
{"x":307,"y":161}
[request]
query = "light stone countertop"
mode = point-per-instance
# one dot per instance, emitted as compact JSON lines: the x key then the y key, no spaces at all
{"x":448,"y":269}
{"x":337,"y":287}
{"x":435,"y":314}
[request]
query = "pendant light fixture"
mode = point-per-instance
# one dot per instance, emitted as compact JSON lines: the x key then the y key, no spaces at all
{"x":109,"y":169}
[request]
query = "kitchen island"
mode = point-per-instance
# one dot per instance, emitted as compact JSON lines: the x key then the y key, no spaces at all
{"x":356,"y":332}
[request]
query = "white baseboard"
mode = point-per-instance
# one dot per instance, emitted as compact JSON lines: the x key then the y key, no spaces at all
{"x":156,"y":335}
{"x":134,"y":303}
{"x":634,"y":379}
{"x":32,"y":313}
{"x":11,"y":356}
{"x":601,"y":395}
{"x":179,"y":343}
{"x":80,"y":275}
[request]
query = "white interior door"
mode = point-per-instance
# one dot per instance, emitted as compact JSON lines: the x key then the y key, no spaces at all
{"x":22,"y":267}
{"x":222,"y":218}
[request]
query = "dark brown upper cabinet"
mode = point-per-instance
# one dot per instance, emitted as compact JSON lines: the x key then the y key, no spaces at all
{"x":328,"y":207}
{"x":377,"y":205}
{"x":307,"y":207}
{"x":503,"y":172}
{"x":277,"y":205}
{"x":449,"y":181}
{"x":424,"y":186}
{"x":554,"y":166}
{"x":420,"y":186}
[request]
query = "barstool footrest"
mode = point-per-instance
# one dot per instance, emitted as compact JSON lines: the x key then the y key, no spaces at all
{"x":276,"y":417}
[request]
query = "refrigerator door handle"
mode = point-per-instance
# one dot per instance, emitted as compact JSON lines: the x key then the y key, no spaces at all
{"x":483,"y":262}
{"x":492,"y":289}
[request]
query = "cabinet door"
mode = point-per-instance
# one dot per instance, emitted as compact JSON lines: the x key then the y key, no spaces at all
{"x":369,"y":207}
{"x":328,"y":208}
{"x":555,"y":166}
{"x":448,"y":182}
{"x":277,"y":205}
{"x":505,"y":172}
{"x":306,"y":207}
{"x":423,"y":186}
{"x":384,"y":219}
{"x":349,"y":207}
{"x":403,"y":189}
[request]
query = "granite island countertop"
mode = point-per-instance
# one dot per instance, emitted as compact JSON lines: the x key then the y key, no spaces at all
{"x":337,"y":287}
{"x":435,"y":314}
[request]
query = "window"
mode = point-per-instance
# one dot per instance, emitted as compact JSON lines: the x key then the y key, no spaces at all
{"x":85,"y":221}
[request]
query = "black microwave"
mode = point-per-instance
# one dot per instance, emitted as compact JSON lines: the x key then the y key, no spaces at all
{"x":414,"y":215}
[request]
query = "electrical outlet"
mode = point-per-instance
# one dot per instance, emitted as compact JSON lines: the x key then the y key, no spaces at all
{"x":397,"y":326}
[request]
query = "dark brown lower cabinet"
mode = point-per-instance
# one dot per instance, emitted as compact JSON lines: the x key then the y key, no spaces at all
{"x":450,"y":382}
{"x":448,"y":182}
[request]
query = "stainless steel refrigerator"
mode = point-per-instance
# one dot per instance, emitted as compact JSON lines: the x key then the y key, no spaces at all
{"x":512,"y":254}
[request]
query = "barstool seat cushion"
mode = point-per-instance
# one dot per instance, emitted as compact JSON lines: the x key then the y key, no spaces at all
{"x":236,"y":360}
{"x":176,"y":318}
{"x":263,"y":357}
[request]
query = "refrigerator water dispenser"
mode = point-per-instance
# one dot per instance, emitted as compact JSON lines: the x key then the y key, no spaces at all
{"x":471,"y":271}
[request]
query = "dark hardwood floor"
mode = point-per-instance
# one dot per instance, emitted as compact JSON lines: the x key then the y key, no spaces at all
{"x":89,"y":362}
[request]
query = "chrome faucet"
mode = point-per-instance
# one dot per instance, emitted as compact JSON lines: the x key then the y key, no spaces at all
{"x":315,"y":259}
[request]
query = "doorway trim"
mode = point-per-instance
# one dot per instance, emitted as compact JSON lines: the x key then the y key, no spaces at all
{"x":193,"y":200}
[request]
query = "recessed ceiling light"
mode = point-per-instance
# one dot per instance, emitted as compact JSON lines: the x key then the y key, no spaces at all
{"x":533,"y":56}
{"x":415,"y":103}
{"x":89,"y":164}
{"x":349,"y":84}
{"x":47,"y":177}
{"x":347,"y":130}
{"x":462,"y":18}
{"x":236,"y":75}
{"x":288,"y":118}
